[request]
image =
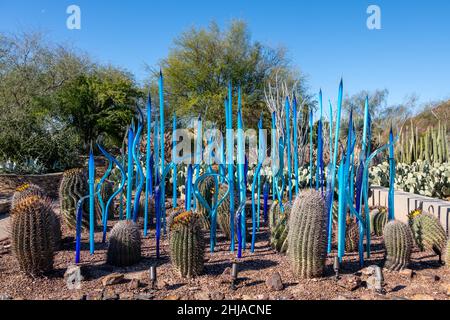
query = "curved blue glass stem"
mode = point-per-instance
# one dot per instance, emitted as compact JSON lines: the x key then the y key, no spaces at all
{"x":130,"y":173}
{"x":295,"y":126}
{"x":273,"y":153}
{"x":119,"y":189}
{"x":99,"y":186}
{"x":148,"y":166}
{"x":266,"y":198}
{"x":162,"y":146}
{"x":241,"y":172}
{"x":91,"y":201}
{"x":158,"y":218}
{"x":230,"y":163}
{"x":140,"y":174}
{"x":391,"y":211}
{"x":212,"y":210}
{"x":188,"y":188}
{"x":255,"y":177}
{"x":174,"y":151}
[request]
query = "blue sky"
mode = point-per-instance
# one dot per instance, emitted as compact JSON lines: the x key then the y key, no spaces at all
{"x":325,"y":39}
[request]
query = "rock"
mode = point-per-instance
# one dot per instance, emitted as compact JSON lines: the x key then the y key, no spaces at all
{"x":370,"y":270}
{"x":262,"y":297}
{"x":217,"y":295}
{"x":446,"y":289}
{"x":110,"y":295}
{"x":203,"y":296}
{"x":421,"y":296}
{"x":341,"y":298}
{"x":96,"y":295}
{"x":430,"y":277}
{"x":73,"y":276}
{"x":247,"y":297}
{"x":407,"y":272}
{"x":146,"y":296}
{"x":134,"y":284}
{"x":349,"y":282}
{"x":4,"y":297}
{"x":399,"y":298}
{"x":194,"y":288}
{"x":136,"y":275}
{"x":172,"y":297}
{"x":126,"y":296}
{"x":112,"y":279}
{"x":274,"y":282}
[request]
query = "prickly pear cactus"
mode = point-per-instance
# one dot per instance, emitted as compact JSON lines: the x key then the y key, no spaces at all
{"x":124,"y":244}
{"x":105,"y":193}
{"x":398,"y":242}
{"x":379,"y":218}
{"x":33,"y":235}
{"x":428,"y":233}
{"x":74,"y":186}
{"x":278,"y":235}
{"x":187,"y":244}
{"x":25,"y":190}
{"x":307,"y":237}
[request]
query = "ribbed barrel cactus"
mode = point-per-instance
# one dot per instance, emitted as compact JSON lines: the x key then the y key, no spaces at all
{"x":351,"y":235}
{"x":223,"y":211}
{"x":307,"y":238}
{"x":274,"y":214}
{"x":428,"y":233}
{"x":33,"y":235}
{"x":151,"y":207}
{"x":187,"y":244}
{"x":378,"y":219}
{"x":74,"y":186}
{"x":398,"y":242}
{"x":124,"y":244}
{"x":278,"y":235}
{"x":25,"y":190}
{"x":105,"y":193}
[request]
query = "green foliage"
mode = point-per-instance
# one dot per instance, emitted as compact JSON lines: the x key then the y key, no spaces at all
{"x":307,"y":243}
{"x":398,"y":241}
{"x":124,"y":244}
{"x":202,"y":61}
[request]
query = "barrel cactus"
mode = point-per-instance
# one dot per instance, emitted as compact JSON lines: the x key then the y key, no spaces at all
{"x":447,"y":255}
{"x":223,"y":211}
{"x":33,"y":235}
{"x":351,"y":235}
{"x":124,"y":244}
{"x":378,"y":219}
{"x":206,"y":189}
{"x":187,"y":244}
{"x":307,"y":237}
{"x":428,"y":233}
{"x":398,"y":242}
{"x":274,"y":214}
{"x":25,"y":190}
{"x":106,"y":192}
{"x":74,"y":186}
{"x":278,"y":235}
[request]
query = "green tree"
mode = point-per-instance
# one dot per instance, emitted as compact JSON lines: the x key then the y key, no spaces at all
{"x":201,"y":63}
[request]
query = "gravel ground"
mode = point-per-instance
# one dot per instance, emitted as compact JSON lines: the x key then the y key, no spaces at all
{"x":427,"y":279}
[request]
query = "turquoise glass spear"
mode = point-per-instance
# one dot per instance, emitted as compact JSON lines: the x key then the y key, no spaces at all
{"x":161,"y":145}
{"x":139,"y":171}
{"x":230,"y":162}
{"x":319,"y":162}
{"x":295,"y":126}
{"x":333,"y":167}
{"x":261,"y":153}
{"x":288,"y":144}
{"x":91,"y":200}
{"x":129,"y":172}
{"x":174,"y":151}
{"x":274,"y":154}
{"x":257,"y":182}
{"x":391,"y":212}
{"x":148,"y":169}
{"x":198,"y":151}
{"x":240,"y":167}
{"x":311,"y":123}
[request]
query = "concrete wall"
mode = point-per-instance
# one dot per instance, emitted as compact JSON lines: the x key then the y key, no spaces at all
{"x":405,"y":202}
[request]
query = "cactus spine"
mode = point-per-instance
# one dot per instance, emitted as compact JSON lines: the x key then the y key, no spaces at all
{"x":278,"y":235}
{"x":24,"y":191}
{"x":74,"y":186}
{"x":379,"y":219}
{"x":124,"y":244}
{"x":187,"y":244}
{"x":307,"y":235}
{"x":428,"y":233}
{"x":32,"y":234}
{"x":398,"y":242}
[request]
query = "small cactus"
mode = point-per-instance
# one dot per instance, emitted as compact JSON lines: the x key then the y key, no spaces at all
{"x":25,"y":190}
{"x":307,"y":238}
{"x":274,"y":214}
{"x":74,"y":186}
{"x":207,"y":190}
{"x":398,"y":241}
{"x":223,"y":211}
{"x":124,"y":244}
{"x":379,"y":218}
{"x":428,"y":233}
{"x":351,"y":235}
{"x":278,"y":235}
{"x":187,"y":243}
{"x":33,"y":235}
